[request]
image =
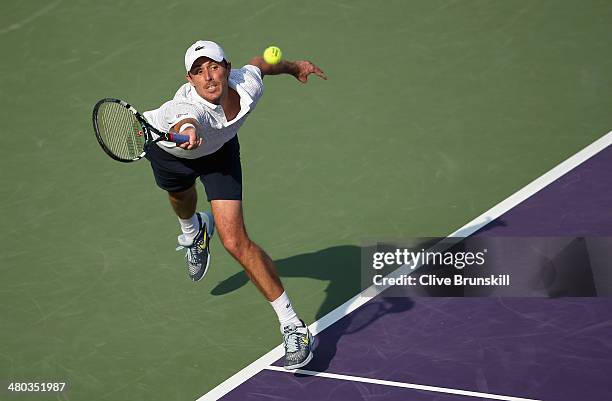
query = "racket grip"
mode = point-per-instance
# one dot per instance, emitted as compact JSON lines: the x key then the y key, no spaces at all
{"x":177,"y":138}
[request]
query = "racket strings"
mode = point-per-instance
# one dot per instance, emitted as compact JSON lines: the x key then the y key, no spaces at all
{"x":120,"y":130}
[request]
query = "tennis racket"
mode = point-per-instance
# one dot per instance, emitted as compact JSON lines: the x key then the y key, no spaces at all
{"x":123,"y":132}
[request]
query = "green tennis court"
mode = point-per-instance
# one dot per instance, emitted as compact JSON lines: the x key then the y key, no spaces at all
{"x":434,"y":111}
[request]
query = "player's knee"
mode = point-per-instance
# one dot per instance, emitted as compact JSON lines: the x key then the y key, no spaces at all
{"x":182,"y":195}
{"x":235,"y":244}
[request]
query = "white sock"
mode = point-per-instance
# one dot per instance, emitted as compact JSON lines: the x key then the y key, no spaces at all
{"x":284,"y":310}
{"x":190,"y":226}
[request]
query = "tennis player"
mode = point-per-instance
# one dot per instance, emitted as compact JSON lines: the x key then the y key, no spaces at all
{"x":210,"y":108}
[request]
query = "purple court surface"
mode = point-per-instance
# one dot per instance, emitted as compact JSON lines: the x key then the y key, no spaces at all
{"x":496,"y":348}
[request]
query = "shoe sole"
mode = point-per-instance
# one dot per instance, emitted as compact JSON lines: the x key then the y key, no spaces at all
{"x":205,"y":269}
{"x":308,"y":358}
{"x":209,"y":237}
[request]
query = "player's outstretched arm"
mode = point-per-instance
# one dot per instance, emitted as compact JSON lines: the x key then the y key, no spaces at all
{"x":300,"y":69}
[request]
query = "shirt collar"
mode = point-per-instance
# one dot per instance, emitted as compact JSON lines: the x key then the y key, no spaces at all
{"x":245,"y":100}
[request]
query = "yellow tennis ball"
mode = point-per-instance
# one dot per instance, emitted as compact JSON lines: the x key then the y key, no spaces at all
{"x":272,"y":55}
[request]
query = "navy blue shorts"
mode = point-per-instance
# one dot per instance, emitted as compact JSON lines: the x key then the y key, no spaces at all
{"x":220,"y":172}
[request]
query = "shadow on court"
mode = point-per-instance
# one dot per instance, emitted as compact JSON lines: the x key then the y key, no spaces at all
{"x":340,"y":266}
{"x":353,"y":323}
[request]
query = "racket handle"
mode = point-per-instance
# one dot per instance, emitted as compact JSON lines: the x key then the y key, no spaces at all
{"x":177,"y":138}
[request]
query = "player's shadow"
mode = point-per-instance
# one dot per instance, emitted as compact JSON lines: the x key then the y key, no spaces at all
{"x":340,"y":267}
{"x":355,"y":322}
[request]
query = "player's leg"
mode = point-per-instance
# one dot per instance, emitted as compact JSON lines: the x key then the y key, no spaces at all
{"x":257,"y":264}
{"x":177,"y":177}
{"x":197,"y":229}
{"x":222,"y":180}
{"x":184,"y":205}
{"x":229,"y":221}
{"x":184,"y":202}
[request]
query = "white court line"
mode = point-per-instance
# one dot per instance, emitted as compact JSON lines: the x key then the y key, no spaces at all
{"x":421,"y":387}
{"x":468,"y":229}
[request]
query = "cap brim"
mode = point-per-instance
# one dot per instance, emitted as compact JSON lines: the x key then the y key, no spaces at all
{"x":199,"y":54}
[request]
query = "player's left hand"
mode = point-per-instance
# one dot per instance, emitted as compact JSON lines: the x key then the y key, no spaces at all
{"x":305,"y":68}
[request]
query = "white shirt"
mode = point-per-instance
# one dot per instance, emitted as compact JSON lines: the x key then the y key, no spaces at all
{"x":216,"y":130}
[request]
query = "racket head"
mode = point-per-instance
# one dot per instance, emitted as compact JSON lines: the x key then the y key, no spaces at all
{"x":121,"y":131}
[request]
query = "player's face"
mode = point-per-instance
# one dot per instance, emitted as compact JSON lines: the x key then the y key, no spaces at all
{"x":209,"y":78}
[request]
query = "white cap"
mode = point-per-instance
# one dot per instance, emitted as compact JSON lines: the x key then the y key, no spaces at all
{"x":203,"y":48}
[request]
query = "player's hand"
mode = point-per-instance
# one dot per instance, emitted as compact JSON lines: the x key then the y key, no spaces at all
{"x":305,"y":68}
{"x":194,"y":140}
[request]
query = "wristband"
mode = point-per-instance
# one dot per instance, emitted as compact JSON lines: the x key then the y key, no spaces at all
{"x":185,"y":126}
